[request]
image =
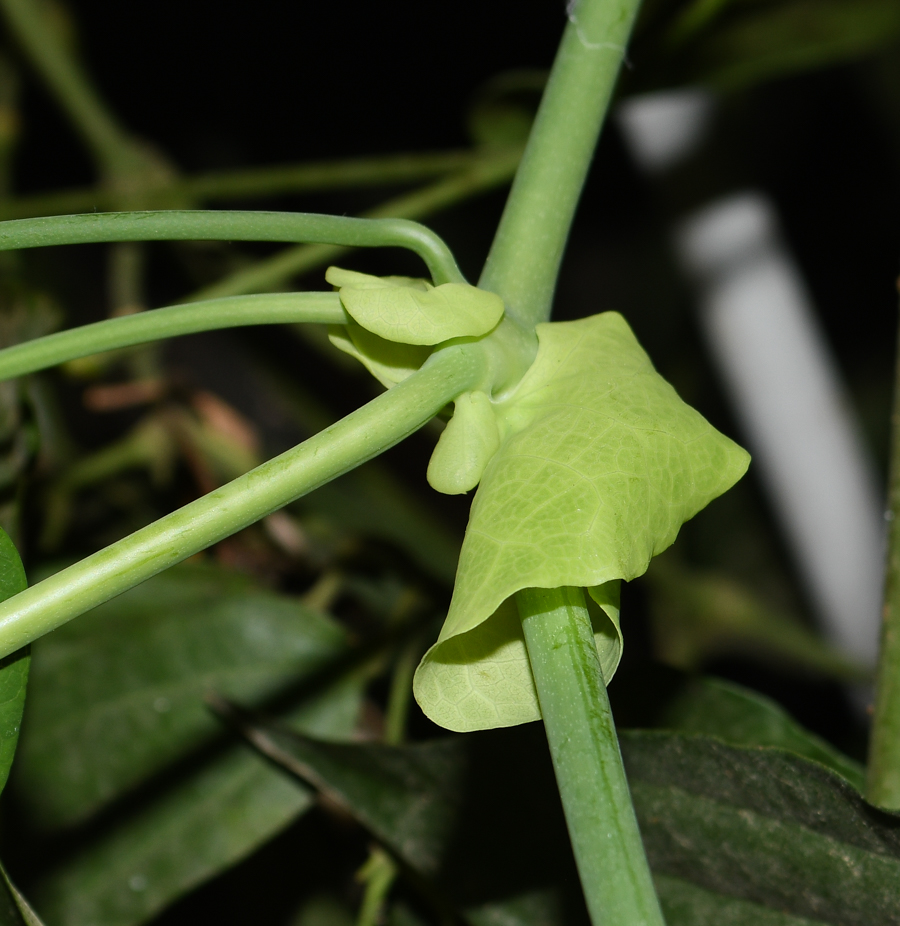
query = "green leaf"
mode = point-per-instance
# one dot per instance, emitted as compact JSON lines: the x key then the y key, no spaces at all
{"x":195,"y":830}
{"x":600,"y":464}
{"x":731,"y":832}
{"x":478,"y":835}
{"x":118,"y":694}
{"x":743,"y":717}
{"x":412,"y":311}
{"x":764,"y":826}
{"x":14,"y":908}
{"x":685,"y":904}
{"x":14,"y":668}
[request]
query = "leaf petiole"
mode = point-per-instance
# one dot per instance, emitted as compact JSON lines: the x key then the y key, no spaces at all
{"x":358,"y":437}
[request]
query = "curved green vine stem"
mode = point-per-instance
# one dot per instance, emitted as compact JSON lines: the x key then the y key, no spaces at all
{"x":202,"y":225}
{"x":277,"y":180}
{"x":115,"y":333}
{"x":358,"y":437}
{"x":605,"y":837}
{"x":527,"y":251}
{"x":276,"y":271}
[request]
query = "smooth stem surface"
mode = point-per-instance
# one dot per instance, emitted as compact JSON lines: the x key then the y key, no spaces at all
{"x":115,"y":333}
{"x":883,"y":785}
{"x":358,"y":437}
{"x":524,"y":260}
{"x":603,"y":829}
{"x":225,"y":225}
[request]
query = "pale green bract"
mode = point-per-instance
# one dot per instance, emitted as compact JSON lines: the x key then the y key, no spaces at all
{"x":410,"y":311}
{"x":599,"y":465}
{"x":466,"y":446}
{"x":387,"y":361}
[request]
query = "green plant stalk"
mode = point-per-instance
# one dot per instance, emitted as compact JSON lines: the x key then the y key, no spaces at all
{"x":277,"y":180}
{"x":527,"y":251}
{"x":358,"y":437}
{"x":155,"y":325}
{"x":605,"y":838}
{"x":225,"y":225}
{"x":883,"y":771}
{"x":274,"y":272}
{"x":55,"y":61}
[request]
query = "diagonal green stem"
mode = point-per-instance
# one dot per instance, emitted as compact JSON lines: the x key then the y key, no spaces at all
{"x":883,"y":773}
{"x":527,"y":251}
{"x":358,"y":437}
{"x":269,"y":181}
{"x":115,"y":333}
{"x":605,"y":838}
{"x":224,"y":225}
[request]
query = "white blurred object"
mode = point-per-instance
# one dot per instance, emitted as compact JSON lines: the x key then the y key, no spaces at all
{"x":784,"y":384}
{"x":787,"y":392}
{"x":664,"y":128}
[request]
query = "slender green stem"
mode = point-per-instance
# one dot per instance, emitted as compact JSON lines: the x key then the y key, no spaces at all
{"x":115,"y":333}
{"x":524,"y":260}
{"x":379,"y":874}
{"x":605,"y":838}
{"x":883,"y":785}
{"x":54,"y":58}
{"x":269,"y":181}
{"x":275,"y":272}
{"x":358,"y":437}
{"x":225,"y":225}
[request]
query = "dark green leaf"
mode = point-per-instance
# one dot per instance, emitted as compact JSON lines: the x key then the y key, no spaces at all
{"x":764,"y":826}
{"x":14,"y":668}
{"x":118,"y":694}
{"x":742,"y":717}
{"x":203,"y":825}
{"x":458,"y":812}
{"x":750,"y":832}
{"x":685,"y":904}
{"x":14,"y":908}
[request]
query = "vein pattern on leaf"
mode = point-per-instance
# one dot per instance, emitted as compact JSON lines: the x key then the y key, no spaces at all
{"x":600,"y":464}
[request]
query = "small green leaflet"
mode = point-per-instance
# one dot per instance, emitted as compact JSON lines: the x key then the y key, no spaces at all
{"x":600,"y":464}
{"x":409,"y":311}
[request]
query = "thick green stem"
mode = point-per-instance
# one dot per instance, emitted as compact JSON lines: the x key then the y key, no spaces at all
{"x":277,"y":180}
{"x":224,"y":225}
{"x":528,"y":247}
{"x":363,"y":434}
{"x":883,"y":785}
{"x":115,"y":333}
{"x":605,"y":838}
